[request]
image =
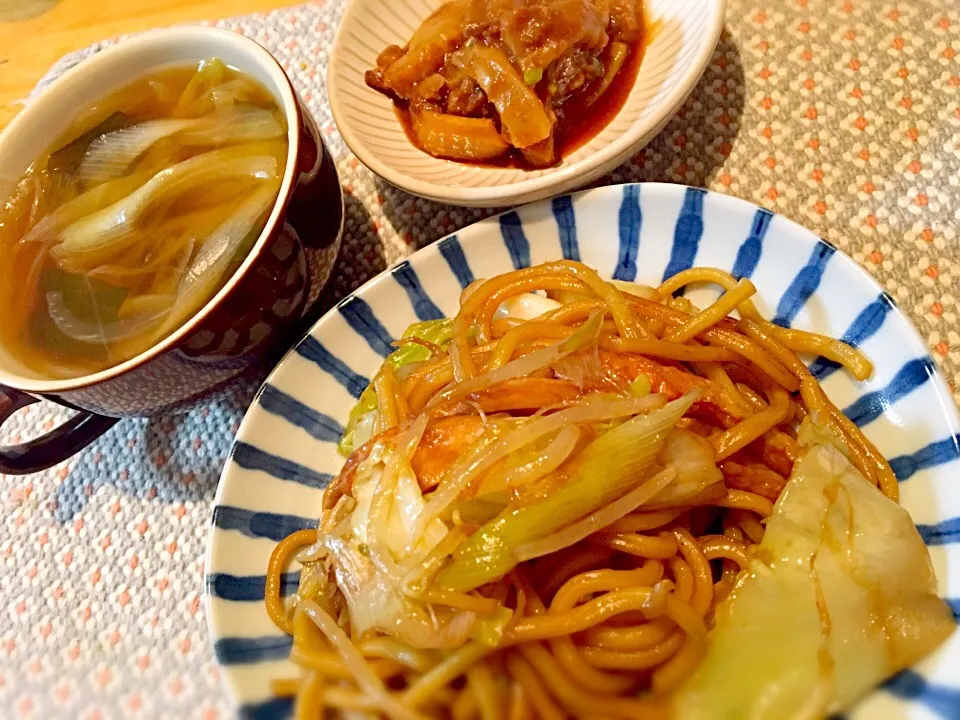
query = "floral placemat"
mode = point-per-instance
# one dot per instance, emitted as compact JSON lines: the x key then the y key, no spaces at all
{"x":842,"y":115}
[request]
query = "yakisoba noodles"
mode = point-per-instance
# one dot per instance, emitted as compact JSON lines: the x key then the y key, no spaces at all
{"x":547,"y":497}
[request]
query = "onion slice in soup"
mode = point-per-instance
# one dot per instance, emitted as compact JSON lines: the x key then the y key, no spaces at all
{"x":242,"y":123}
{"x":94,"y":331}
{"x":111,"y":155}
{"x":211,"y":261}
{"x":114,"y":223}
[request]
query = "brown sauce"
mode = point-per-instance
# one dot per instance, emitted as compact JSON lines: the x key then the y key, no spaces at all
{"x":581,"y":123}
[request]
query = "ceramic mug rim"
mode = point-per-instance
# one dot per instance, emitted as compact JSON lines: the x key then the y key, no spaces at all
{"x":145,"y":44}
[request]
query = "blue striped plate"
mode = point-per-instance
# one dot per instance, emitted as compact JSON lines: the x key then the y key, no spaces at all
{"x":285,"y":451}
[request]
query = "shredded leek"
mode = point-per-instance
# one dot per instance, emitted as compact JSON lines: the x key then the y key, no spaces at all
{"x":532,"y":76}
{"x":602,"y":473}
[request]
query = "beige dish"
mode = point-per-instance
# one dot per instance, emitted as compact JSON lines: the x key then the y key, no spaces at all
{"x":686,"y":34}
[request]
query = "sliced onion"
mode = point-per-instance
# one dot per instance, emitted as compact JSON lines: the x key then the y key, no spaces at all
{"x":169,"y":276}
{"x":95,"y":332}
{"x":83,"y":205}
{"x":111,"y":155}
{"x":382,"y":503}
{"x":616,"y":55}
{"x":636,"y":289}
{"x":145,"y":305}
{"x":242,"y":123}
{"x":233,"y":92}
{"x":130,"y":269}
{"x":211,"y":261}
{"x":116,"y":222}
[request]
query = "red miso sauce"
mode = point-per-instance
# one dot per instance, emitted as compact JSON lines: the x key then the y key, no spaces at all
{"x":580,"y":123}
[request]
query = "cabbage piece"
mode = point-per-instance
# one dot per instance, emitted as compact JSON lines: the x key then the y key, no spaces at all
{"x":376,"y":602}
{"x":437,"y":332}
{"x":457,"y":138}
{"x":400,"y":524}
{"x":360,"y":423}
{"x":381,"y":533}
{"x":839,"y":596}
{"x":522,"y":116}
{"x":537,"y":32}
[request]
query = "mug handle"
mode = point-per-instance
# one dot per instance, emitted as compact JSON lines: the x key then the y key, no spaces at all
{"x":56,"y":446}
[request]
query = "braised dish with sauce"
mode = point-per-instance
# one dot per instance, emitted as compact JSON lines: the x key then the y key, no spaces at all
{"x":523,"y":81}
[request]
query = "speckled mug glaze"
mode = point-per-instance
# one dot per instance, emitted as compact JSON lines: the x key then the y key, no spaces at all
{"x":270,"y":300}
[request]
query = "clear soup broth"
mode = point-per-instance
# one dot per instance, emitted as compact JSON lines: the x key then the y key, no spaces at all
{"x":136,"y":216}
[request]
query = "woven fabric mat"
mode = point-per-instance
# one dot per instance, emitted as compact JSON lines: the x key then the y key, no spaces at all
{"x":843,"y":115}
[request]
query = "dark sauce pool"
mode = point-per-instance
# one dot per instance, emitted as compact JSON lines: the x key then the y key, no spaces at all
{"x":580,"y":124}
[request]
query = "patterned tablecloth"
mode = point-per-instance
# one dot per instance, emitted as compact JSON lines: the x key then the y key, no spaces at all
{"x":841,"y":114}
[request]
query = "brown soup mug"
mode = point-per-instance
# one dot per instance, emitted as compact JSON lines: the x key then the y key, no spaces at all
{"x":268,"y":303}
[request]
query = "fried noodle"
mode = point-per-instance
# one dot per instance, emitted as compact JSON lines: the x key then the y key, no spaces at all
{"x":601,"y":613}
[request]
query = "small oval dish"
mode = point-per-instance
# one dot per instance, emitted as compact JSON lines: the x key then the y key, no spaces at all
{"x":682,"y":36}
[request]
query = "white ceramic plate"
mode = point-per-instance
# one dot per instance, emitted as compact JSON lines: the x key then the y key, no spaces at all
{"x":286,"y":447}
{"x":687,"y":31}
